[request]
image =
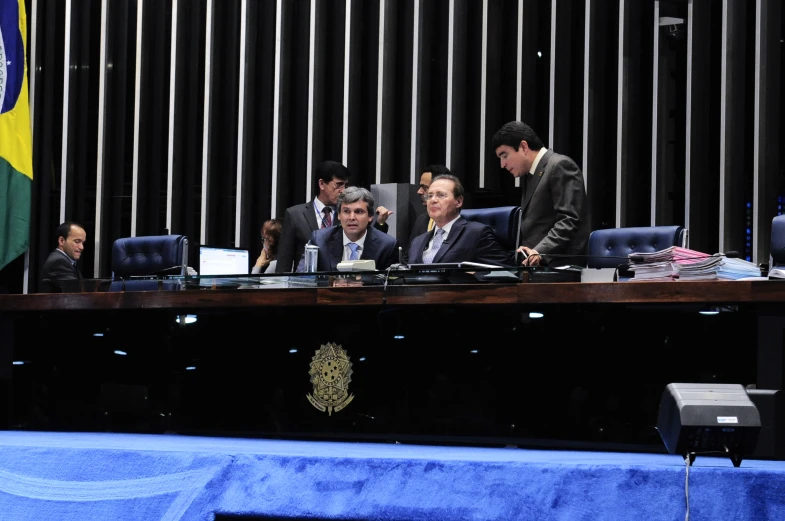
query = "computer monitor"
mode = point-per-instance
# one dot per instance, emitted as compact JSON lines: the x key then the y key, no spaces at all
{"x":216,"y":260}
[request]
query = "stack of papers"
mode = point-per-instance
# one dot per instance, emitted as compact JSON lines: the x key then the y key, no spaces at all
{"x":674,"y":263}
{"x":705,"y":269}
{"x":735,"y":269}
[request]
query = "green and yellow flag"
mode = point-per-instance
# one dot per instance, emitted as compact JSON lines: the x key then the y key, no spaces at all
{"x":16,"y":141}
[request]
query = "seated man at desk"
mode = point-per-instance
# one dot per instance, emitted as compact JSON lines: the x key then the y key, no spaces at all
{"x":453,"y":238}
{"x":355,"y":239}
{"x":60,"y":267}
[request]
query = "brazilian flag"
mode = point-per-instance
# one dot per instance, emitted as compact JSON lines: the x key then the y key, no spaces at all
{"x":16,"y":142}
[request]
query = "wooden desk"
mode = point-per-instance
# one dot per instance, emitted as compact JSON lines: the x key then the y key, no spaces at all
{"x":612,"y":340}
{"x":668,"y":293}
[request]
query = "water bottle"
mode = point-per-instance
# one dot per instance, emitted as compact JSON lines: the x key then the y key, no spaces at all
{"x":311,"y":257}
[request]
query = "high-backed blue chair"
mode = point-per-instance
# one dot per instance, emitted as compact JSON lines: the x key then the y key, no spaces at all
{"x":609,"y":247}
{"x":505,"y":221}
{"x":150,"y":257}
{"x":777,"y":246}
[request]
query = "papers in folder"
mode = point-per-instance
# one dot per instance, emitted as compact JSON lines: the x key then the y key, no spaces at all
{"x":677,"y":263}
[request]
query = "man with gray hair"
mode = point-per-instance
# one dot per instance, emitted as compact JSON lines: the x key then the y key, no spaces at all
{"x":355,"y":239}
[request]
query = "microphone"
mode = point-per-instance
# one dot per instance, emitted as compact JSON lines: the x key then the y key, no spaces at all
{"x":400,"y":265}
{"x":169,"y":269}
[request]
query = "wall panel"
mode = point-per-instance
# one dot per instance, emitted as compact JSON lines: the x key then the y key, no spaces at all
{"x":674,"y":126}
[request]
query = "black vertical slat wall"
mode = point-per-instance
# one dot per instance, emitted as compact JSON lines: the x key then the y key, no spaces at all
{"x":708,"y":155}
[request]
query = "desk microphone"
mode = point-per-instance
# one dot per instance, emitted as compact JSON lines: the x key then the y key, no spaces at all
{"x":400,"y":265}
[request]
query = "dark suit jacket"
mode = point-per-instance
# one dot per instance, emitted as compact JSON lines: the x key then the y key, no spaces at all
{"x":57,"y":269}
{"x":554,"y":211}
{"x":420,"y":226}
{"x":299,"y":223}
{"x":468,"y":241}
{"x":378,"y":246}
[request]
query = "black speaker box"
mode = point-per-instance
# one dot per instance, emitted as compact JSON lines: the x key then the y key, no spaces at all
{"x":708,"y":418}
{"x":771,"y":441}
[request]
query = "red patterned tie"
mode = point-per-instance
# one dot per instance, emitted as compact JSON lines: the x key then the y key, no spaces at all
{"x":328,"y":217}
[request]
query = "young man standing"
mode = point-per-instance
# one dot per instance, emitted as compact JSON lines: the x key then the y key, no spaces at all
{"x":553,"y":207}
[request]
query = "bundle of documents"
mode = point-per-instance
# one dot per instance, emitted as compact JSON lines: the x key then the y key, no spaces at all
{"x":674,"y":263}
{"x":677,"y":263}
{"x":704,"y":269}
{"x":735,"y":269}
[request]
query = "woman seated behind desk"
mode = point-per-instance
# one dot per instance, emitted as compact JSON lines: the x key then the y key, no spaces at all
{"x":271,"y":233}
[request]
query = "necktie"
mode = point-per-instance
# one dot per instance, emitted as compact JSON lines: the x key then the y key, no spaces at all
{"x":354,"y":255}
{"x":327,"y":220}
{"x":430,"y":224}
{"x":438,"y":238}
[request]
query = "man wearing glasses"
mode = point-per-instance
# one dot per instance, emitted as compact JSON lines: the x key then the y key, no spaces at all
{"x":301,"y":220}
{"x":453,"y":238}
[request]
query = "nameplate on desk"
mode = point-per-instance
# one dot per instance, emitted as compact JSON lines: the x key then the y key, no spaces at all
{"x":357,"y":265}
{"x":598,"y":275}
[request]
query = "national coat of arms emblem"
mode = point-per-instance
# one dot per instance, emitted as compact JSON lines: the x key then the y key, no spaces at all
{"x":331,"y":373}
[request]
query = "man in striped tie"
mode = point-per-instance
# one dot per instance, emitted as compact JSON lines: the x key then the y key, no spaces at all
{"x":301,"y":220}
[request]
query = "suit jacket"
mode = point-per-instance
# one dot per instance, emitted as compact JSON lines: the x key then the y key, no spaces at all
{"x":378,"y":246}
{"x":554,"y":211}
{"x":57,"y":269}
{"x":468,"y":241}
{"x":420,"y":226}
{"x":299,"y":223}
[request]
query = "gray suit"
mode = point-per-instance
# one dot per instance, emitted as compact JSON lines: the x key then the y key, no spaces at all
{"x":554,"y":211}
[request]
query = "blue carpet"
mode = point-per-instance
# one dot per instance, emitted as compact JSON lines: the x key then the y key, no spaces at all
{"x":117,"y":477}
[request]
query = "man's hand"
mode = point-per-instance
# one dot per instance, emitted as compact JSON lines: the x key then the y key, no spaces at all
{"x":382,"y":214}
{"x":530,"y":256}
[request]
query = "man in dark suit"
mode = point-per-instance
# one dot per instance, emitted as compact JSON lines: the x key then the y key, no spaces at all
{"x":301,"y":220}
{"x":423,"y":223}
{"x":355,"y":239}
{"x":453,"y":238}
{"x":60,"y":266}
{"x":553,"y":207}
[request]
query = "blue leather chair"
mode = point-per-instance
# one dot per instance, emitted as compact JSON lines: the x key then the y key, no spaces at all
{"x":150,"y":257}
{"x":505,"y":221}
{"x":610,"y":247}
{"x":777,"y":246}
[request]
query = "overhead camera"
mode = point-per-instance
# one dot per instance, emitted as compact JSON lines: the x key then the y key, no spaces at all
{"x":674,"y":28}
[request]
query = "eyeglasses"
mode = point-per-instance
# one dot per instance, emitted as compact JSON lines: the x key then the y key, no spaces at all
{"x":338,"y":184}
{"x":438,"y":195}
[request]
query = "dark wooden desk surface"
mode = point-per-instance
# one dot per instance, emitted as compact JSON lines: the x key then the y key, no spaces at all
{"x":709,"y":292}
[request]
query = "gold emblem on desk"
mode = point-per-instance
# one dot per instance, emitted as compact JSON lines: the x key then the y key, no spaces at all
{"x":331,"y":372}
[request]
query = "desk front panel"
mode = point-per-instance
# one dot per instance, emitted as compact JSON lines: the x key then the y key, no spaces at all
{"x":417,"y":367}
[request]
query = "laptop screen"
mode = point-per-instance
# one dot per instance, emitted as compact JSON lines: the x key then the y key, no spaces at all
{"x":223,"y":261}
